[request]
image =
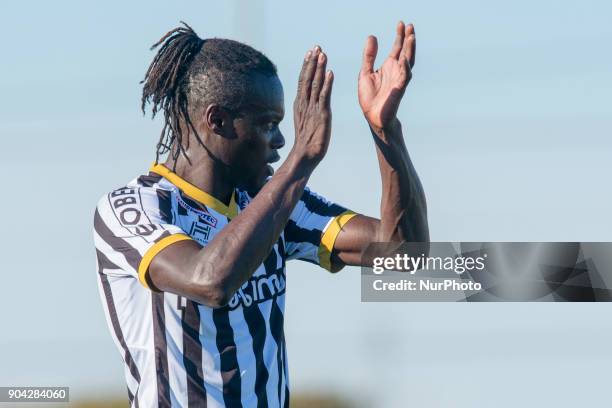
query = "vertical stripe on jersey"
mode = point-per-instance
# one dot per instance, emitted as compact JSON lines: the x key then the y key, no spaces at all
{"x":257,"y":328}
{"x":161,"y":351}
{"x":211,"y":359}
{"x":283,"y":344}
{"x":269,"y":354}
{"x":130,"y":396}
{"x":177,"y":377}
{"x":105,"y":263}
{"x":230,"y":370}
{"x":165,"y":205}
{"x":276,"y":316}
{"x":244,"y":357}
{"x":295,"y":233}
{"x":132,"y":256}
{"x":280,"y":302}
{"x":192,"y":355}
{"x":276,"y":328}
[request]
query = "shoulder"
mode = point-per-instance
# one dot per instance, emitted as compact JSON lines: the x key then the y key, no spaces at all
{"x":314,"y":203}
{"x":136,"y":202}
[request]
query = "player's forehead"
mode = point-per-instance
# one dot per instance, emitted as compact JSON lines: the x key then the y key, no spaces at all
{"x":266,"y":98}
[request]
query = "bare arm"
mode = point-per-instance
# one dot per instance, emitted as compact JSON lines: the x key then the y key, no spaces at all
{"x":210,"y":275}
{"x":403,"y":208}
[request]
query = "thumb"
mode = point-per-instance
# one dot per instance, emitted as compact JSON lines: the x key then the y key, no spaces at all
{"x":369,"y":55}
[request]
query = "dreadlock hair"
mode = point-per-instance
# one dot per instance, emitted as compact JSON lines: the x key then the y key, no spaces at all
{"x":189,"y":72}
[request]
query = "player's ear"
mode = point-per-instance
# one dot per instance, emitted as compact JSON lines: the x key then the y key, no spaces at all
{"x":217,"y":119}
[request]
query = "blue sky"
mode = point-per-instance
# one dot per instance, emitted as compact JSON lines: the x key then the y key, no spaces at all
{"x":508,"y":121}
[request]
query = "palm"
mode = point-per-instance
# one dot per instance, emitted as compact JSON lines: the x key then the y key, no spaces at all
{"x":380,"y":92}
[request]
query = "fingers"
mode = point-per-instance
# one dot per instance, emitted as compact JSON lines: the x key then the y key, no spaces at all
{"x":369,"y":55}
{"x":399,"y":41}
{"x":409,"y":46}
{"x":303,"y":72}
{"x":325,"y":95}
{"x":319,"y":76}
{"x":308,"y":71}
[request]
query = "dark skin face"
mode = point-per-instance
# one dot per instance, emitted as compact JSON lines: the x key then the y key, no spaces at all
{"x":250,"y":139}
{"x":238,"y":145}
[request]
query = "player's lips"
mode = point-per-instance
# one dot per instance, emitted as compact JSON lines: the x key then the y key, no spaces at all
{"x":274,"y":158}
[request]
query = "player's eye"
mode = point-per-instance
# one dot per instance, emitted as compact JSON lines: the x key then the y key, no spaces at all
{"x":272,"y":125}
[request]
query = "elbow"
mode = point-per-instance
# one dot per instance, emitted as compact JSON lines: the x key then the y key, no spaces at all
{"x":213,"y":295}
{"x":209,"y":287}
{"x":415,"y":239}
{"x":410,"y":233}
{"x":407,"y":227}
{"x":218,"y":298}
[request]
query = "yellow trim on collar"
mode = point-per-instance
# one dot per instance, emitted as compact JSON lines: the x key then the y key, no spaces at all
{"x":329,"y":238}
{"x":147,"y":258}
{"x":199,"y":195}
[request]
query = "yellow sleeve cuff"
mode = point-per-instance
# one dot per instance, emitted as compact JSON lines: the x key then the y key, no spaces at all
{"x":143,"y":267}
{"x":329,"y":237}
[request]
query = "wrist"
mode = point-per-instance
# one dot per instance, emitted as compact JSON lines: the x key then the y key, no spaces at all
{"x":303,"y":161}
{"x":300,"y":164}
{"x":389,"y":129}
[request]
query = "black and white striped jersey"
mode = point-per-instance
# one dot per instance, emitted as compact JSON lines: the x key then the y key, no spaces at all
{"x":179,"y":353}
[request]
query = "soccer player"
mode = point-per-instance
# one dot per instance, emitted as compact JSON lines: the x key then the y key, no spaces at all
{"x":191,"y":256}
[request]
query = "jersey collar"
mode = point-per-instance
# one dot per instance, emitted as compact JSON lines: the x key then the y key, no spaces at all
{"x":199,"y":195}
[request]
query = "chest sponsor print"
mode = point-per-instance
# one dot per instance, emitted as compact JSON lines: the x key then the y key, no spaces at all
{"x":259,"y":289}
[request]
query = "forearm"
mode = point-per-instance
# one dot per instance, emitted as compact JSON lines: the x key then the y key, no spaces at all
{"x":234,"y":254}
{"x":403,"y":204}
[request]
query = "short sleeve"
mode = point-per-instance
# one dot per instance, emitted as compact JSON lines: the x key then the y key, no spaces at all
{"x":131,"y":226}
{"x":313,"y":227}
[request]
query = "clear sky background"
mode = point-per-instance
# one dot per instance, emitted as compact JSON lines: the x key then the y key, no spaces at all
{"x":508,"y":120}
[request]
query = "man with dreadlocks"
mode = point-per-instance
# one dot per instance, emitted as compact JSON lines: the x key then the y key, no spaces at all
{"x":191,"y":256}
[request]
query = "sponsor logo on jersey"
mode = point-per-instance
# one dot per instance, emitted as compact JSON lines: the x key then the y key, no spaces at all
{"x":126,"y":205}
{"x":203,"y":215}
{"x":200,"y":232}
{"x":259,"y":289}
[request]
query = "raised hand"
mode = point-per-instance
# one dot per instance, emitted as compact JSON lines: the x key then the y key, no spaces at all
{"x":380,"y":92}
{"x":311,"y":109}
